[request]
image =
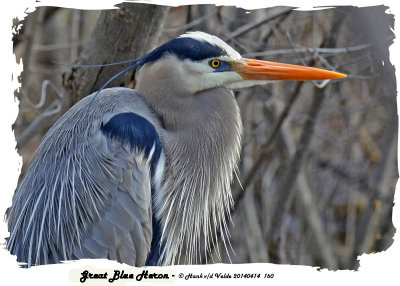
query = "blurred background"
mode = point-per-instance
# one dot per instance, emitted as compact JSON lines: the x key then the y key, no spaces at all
{"x":319,"y":159}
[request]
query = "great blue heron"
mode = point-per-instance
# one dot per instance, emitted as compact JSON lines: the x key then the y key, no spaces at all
{"x":139,"y":176}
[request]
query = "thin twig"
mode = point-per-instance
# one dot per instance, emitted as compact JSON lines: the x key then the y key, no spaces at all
{"x":318,"y":84}
{"x":43,"y":94}
{"x":45,"y":118}
{"x":42,"y":121}
{"x":245,"y":28}
{"x":76,"y":17}
{"x":192,"y":24}
{"x":58,"y":46}
{"x":316,"y":50}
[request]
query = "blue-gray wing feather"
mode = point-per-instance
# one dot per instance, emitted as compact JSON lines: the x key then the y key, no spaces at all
{"x":87,"y":194}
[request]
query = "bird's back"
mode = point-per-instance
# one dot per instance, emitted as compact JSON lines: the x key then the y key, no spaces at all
{"x":88,"y":193}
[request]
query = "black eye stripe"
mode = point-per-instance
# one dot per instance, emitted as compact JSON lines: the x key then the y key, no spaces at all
{"x":185,"y":48}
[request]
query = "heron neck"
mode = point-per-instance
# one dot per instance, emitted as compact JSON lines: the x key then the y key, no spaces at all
{"x":201,"y":141}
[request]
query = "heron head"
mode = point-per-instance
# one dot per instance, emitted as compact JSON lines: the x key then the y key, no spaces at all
{"x":197,"y":61}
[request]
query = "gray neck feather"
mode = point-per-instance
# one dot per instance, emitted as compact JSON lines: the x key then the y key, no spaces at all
{"x":201,"y":141}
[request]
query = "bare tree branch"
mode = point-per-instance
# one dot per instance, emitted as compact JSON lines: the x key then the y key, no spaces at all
{"x":313,"y":218}
{"x":286,"y":190}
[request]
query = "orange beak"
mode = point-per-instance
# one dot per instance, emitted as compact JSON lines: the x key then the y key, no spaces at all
{"x":263,"y":70}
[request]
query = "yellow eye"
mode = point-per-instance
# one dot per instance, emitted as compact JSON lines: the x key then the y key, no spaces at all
{"x":215,"y":63}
